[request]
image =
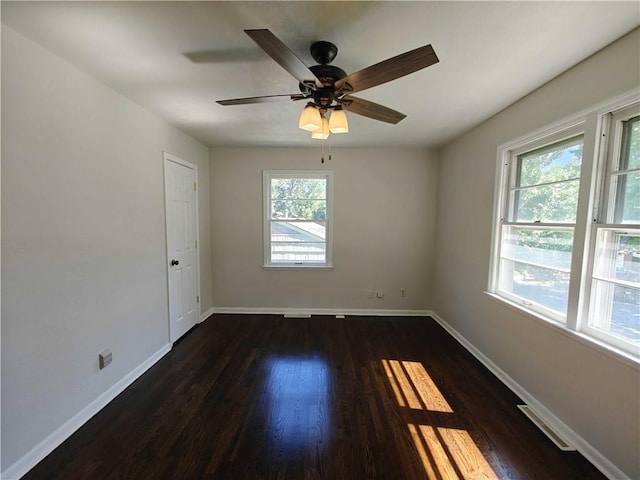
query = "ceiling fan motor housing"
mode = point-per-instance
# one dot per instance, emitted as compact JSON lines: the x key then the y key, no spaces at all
{"x":324,"y":52}
{"x":328,"y":75}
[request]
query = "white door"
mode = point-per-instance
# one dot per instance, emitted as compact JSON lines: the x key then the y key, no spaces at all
{"x":181,"y":211}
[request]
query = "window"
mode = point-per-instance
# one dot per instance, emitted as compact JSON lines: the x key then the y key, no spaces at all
{"x":298,"y":218}
{"x":614,"y":311}
{"x":567,"y":233}
{"x":537,"y":230}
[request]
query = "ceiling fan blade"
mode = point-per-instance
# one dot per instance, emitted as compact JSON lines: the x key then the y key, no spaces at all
{"x":389,"y":69}
{"x":288,"y":60}
{"x":371,"y":109}
{"x":263,"y":99}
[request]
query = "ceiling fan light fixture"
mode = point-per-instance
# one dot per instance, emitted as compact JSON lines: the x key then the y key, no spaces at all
{"x":310,"y":119}
{"x":338,"y":121}
{"x":323,"y":132}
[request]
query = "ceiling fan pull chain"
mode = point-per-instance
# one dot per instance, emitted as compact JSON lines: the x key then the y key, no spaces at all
{"x":322,"y":157}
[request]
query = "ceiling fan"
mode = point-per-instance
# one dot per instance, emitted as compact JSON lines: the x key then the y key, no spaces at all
{"x":327,"y":87}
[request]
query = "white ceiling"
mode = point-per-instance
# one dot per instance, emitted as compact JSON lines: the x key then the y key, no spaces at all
{"x":177,"y":58}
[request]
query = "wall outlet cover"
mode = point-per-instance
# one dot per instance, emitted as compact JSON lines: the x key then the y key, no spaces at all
{"x":104,"y":358}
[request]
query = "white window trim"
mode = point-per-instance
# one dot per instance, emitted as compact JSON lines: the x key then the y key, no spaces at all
{"x":267,"y":175}
{"x":592,"y":122}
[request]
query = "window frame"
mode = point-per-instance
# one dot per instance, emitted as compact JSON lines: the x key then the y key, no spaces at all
{"x":595,"y":196}
{"x":327,"y":175}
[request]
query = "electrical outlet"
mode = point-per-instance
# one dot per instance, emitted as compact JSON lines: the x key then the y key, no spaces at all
{"x":403,"y":292}
{"x":104,"y":358}
{"x":370,"y":294}
{"x":380,"y":294}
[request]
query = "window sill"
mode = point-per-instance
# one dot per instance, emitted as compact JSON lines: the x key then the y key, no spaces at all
{"x":587,"y":340}
{"x":297,"y":267}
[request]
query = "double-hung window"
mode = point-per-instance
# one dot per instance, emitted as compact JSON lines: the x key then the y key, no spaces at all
{"x":567,"y":232}
{"x":297,"y":218}
{"x":614,"y":311}
{"x":538,"y":224}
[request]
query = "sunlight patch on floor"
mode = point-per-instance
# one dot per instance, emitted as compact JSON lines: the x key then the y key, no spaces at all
{"x":446,"y":453}
{"x":413,"y":387}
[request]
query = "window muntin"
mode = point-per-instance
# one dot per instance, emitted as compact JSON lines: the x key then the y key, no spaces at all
{"x":297,"y":218}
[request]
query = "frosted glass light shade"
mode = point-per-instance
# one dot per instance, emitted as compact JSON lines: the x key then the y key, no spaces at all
{"x":338,"y":121}
{"x":310,"y":119}
{"x":321,"y":133}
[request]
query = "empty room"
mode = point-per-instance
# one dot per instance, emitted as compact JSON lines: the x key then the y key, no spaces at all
{"x":320,"y":240}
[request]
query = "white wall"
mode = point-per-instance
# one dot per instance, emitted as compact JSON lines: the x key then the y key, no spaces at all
{"x":596,"y":395}
{"x":384,"y":213}
{"x":83,"y":239}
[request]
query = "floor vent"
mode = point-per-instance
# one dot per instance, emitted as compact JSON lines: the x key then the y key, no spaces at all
{"x":297,"y":315}
{"x":546,"y":429}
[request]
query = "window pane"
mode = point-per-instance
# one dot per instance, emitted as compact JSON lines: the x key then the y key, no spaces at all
{"x":616,"y":310}
{"x":615,"y":295}
{"x":298,"y":252}
{"x":630,"y":158}
{"x":547,"y":248}
{"x":299,"y":209}
{"x":555,"y":203}
{"x":560,"y":161}
{"x":628,"y":198}
{"x":298,"y":188}
{"x":618,"y":256}
{"x":298,"y":231}
{"x":545,"y":287}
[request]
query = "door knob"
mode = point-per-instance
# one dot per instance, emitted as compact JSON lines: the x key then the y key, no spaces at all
{"x":174,"y":262}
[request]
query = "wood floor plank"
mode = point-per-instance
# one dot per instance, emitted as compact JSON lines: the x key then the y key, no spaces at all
{"x":264,"y":397}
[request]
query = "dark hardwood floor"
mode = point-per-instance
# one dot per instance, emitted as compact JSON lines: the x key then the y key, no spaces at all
{"x":264,"y":397}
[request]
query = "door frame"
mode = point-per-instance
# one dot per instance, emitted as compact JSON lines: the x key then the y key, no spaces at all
{"x":168,"y":157}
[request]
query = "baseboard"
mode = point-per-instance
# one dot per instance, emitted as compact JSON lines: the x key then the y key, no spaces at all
{"x":46,"y":446}
{"x":205,"y":315}
{"x":320,"y":311}
{"x":593,"y":455}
